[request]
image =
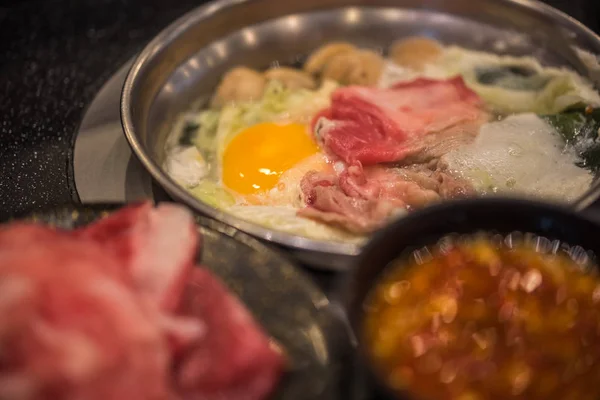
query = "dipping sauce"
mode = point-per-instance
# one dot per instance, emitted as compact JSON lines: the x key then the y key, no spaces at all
{"x":487,"y":319}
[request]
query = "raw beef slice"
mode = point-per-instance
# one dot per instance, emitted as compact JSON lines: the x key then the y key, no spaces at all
{"x":157,"y":244}
{"x":117,"y":310}
{"x":372,"y":125}
{"x":235,"y":360}
{"x":72,"y":328}
{"x":362,"y":200}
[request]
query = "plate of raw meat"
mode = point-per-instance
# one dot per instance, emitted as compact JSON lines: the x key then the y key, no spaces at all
{"x":151,"y":302}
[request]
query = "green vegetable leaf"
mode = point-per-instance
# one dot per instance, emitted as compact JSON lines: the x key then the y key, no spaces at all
{"x":200,"y":131}
{"x":188,"y":133}
{"x":212,"y":194}
{"x":512,"y":77}
{"x":580,"y":127}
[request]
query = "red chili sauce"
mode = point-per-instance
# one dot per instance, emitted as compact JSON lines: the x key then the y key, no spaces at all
{"x":482,"y":320}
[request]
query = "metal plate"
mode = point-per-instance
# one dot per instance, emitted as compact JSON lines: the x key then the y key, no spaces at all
{"x":186,"y":60}
{"x":287,"y":304}
{"x":103,"y":167}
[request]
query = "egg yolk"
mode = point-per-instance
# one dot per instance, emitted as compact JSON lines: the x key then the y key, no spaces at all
{"x":255,"y":159}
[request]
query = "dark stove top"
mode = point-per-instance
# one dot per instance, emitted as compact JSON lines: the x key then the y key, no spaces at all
{"x":55,"y":55}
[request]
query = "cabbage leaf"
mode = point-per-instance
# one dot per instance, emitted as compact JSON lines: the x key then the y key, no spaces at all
{"x":212,"y":194}
{"x":285,"y":219}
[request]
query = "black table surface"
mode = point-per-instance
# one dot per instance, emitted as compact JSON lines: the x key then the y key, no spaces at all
{"x":54,"y":57}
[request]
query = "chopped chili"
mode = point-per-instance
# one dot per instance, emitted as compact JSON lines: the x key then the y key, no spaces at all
{"x":481,"y":320}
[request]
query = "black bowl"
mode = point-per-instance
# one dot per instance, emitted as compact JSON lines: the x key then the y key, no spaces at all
{"x":425,"y":227}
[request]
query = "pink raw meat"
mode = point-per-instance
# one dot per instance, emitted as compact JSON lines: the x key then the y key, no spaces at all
{"x":235,"y":360}
{"x":72,"y":328}
{"x":371,"y":125}
{"x":362,"y":200}
{"x":90,"y":314}
{"x":158,"y":245}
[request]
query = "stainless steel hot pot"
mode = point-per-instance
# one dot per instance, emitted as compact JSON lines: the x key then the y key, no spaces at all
{"x":184,"y":62}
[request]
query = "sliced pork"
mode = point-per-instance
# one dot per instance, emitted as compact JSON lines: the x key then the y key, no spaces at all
{"x":362,"y":200}
{"x":158,"y":245}
{"x":373,"y":125}
{"x":437,"y":178}
{"x":117,"y":310}
{"x":327,"y":202}
{"x":235,"y":360}
{"x":435,"y":145}
{"x":72,"y":327}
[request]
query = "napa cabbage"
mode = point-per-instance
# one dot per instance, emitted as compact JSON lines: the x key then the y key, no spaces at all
{"x":285,"y":219}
